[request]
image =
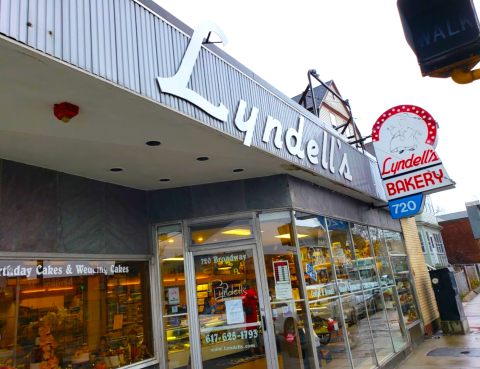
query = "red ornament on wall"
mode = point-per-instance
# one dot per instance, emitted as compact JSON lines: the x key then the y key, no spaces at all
{"x":65,"y":111}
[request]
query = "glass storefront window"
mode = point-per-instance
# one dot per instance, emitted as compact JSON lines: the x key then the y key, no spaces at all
{"x":399,"y":336}
{"x":221,"y":232}
{"x":381,"y":255}
{"x":281,"y":258}
{"x":58,"y":314}
{"x":364,"y":256}
{"x":394,"y":243}
{"x":294,"y":340}
{"x":404,"y":282}
{"x":379,"y":323}
{"x":293,"y":337}
{"x":228,"y":309}
{"x":359,"y":333}
{"x":347,"y":273}
{"x":343,"y":256}
{"x":327,"y":325}
{"x":314,"y":248}
{"x":172,"y":269}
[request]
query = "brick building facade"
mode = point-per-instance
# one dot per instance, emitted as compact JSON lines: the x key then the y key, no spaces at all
{"x":426,"y":297}
{"x":460,"y":244}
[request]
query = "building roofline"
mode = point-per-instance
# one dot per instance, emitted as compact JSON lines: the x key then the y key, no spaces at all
{"x":452,"y":216}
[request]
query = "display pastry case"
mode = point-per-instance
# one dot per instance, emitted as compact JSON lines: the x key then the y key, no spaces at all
{"x":177,"y":334}
{"x":405,"y":292}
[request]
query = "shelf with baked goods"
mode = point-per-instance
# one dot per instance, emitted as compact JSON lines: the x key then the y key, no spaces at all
{"x":177,"y":337}
{"x":124,"y":314}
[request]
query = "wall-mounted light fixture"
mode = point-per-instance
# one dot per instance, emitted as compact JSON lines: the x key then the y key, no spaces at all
{"x":65,"y":111}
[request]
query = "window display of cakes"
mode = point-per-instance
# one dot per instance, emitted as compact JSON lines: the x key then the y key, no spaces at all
{"x":81,"y":356}
{"x":76,"y":322}
{"x":50,"y":352}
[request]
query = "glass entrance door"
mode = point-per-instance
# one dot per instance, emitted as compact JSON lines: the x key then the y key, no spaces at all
{"x":230,"y":309}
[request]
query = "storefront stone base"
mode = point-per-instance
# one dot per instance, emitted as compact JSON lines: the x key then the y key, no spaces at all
{"x":417,"y":333}
{"x":455,"y":326}
{"x":395,"y":361}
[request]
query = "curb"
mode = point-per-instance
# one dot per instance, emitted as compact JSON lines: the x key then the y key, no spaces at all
{"x":477,"y":290}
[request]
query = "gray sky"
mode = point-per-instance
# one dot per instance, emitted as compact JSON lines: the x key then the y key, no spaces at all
{"x":359,"y":44}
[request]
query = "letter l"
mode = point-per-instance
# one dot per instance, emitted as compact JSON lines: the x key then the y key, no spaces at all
{"x":177,"y":85}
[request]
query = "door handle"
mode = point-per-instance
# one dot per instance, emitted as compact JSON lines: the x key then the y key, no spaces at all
{"x":264,"y":323}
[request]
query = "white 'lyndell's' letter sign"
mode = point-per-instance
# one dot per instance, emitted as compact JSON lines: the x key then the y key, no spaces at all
{"x":177,"y":85}
{"x":404,"y":139}
{"x":293,"y":138}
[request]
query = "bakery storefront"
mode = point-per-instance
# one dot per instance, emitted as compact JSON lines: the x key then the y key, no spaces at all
{"x":288,"y":287}
{"x":182,"y":213}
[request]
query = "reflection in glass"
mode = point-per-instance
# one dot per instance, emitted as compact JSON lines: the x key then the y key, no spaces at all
{"x":221,"y":232}
{"x":399,"y":337}
{"x":394,"y":243}
{"x":170,"y":251}
{"x":365,"y":259}
{"x":404,"y":282}
{"x":316,"y":263}
{"x":228,"y":308}
{"x":281,"y":259}
{"x":330,"y":342}
{"x":293,"y":341}
{"x":381,"y":254}
{"x":292,"y":336}
{"x":379,"y":323}
{"x":343,"y":256}
{"x":359,"y":334}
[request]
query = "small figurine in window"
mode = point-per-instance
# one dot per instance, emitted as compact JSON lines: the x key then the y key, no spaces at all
{"x":144,"y":353}
{"x":133,"y":347}
{"x":102,"y":347}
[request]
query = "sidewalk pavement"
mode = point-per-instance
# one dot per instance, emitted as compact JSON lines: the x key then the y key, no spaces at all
{"x":420,"y":360}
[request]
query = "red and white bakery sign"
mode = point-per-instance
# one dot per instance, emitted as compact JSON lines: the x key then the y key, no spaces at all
{"x":404,"y":139}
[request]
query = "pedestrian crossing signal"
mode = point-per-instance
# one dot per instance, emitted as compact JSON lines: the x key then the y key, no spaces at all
{"x":443,"y":34}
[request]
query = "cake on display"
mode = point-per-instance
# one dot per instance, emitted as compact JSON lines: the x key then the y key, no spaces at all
{"x":82,"y":355}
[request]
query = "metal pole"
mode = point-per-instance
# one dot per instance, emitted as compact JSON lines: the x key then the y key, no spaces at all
{"x":313,"y":72}
{"x":315,"y":110}
{"x":309,"y":326}
{"x":17,"y":309}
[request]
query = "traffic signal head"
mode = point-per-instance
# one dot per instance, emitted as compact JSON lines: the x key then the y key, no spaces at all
{"x":444,"y":34}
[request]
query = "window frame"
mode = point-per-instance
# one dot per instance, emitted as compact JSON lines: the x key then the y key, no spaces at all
{"x":152,"y":279}
{"x":430,"y":241}
{"x":438,"y":243}
{"x":333,"y":121}
{"x":420,"y":236}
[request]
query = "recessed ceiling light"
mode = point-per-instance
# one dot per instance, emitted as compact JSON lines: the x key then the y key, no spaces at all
{"x":165,"y":180}
{"x":238,"y":170}
{"x":116,"y":169}
{"x":203,"y":158}
{"x":153,"y":143}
